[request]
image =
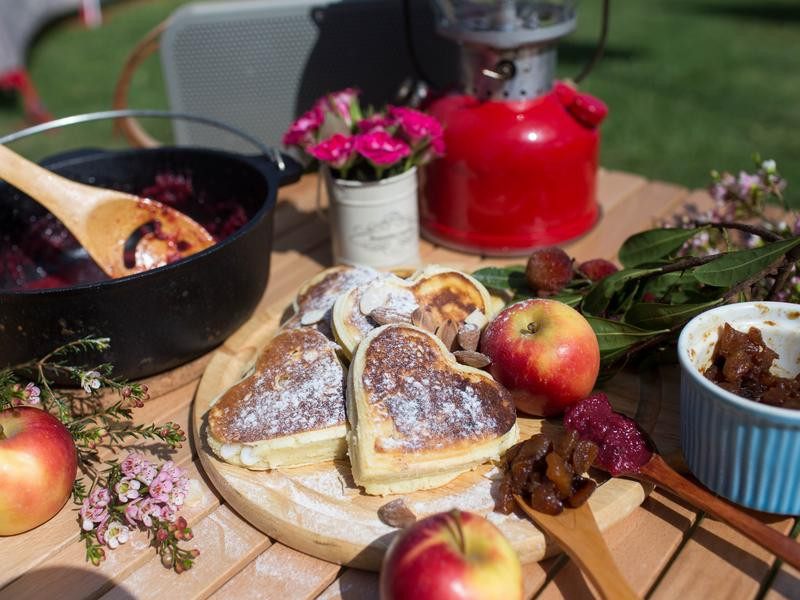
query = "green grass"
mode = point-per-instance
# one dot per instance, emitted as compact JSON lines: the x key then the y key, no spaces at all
{"x":691,"y":84}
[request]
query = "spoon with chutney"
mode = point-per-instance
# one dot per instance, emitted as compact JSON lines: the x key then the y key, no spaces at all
{"x":123,"y":233}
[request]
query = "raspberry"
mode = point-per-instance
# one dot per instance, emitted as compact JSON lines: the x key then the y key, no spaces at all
{"x":597,"y":268}
{"x":549,"y":269}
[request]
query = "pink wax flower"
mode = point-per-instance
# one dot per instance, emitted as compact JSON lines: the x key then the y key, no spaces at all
{"x":340,"y":103}
{"x":337,"y":150}
{"x":416,"y":125}
{"x":303,"y":131}
{"x":380,"y":148}
{"x":32,"y":393}
{"x":133,"y":464}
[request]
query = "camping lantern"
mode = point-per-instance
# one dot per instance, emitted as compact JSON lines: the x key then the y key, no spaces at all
{"x":521,"y":151}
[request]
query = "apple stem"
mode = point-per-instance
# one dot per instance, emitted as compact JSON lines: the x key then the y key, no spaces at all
{"x":2,"y":433}
{"x":459,"y":532}
{"x":532,"y":328}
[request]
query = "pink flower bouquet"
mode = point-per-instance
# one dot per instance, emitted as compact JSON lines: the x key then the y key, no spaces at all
{"x":365,"y":146}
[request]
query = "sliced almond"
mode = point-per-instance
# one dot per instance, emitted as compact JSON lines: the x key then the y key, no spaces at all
{"x":469,"y":334}
{"x":384,"y":315}
{"x":423,"y":318}
{"x":312,"y":316}
{"x":472,"y":359}
{"x":447,"y":332}
{"x":372,"y":297}
{"x":476,"y":317}
{"x":397,"y":514}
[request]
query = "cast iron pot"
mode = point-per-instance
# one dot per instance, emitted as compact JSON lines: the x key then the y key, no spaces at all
{"x":161,"y":318}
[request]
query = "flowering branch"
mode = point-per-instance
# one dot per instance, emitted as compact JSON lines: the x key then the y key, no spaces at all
{"x":136,"y":494}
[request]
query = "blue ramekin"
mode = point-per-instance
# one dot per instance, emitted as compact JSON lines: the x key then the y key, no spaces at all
{"x":743,"y":450}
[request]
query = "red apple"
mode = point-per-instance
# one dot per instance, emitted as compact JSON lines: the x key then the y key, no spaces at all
{"x":448,"y":556}
{"x":38,"y":464}
{"x":545,"y":353}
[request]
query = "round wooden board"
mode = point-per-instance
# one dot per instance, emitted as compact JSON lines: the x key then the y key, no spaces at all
{"x":320,"y":511}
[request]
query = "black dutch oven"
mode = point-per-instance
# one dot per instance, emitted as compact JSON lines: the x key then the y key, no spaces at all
{"x":161,"y":318}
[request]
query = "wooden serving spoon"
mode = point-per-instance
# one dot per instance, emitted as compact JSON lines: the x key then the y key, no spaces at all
{"x":104,"y":221}
{"x":657,"y":471}
{"x":577,"y":533}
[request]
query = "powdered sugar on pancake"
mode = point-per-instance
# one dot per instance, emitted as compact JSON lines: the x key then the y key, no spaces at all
{"x":431,"y":403}
{"x":322,"y":295}
{"x":298,"y":385}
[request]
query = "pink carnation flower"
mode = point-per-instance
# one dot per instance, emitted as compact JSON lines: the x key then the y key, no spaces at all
{"x":337,"y":150}
{"x":376,"y":121}
{"x":339,"y":103}
{"x":303,"y":130}
{"x":380,"y":148}
{"x":416,"y":125}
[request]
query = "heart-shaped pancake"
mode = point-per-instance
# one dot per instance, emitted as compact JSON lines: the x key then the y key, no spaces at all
{"x":448,"y":293}
{"x":289,"y":410}
{"x":418,"y":418}
{"x":313,"y":304}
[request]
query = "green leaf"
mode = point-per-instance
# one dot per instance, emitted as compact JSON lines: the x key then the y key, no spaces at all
{"x":662,"y":285}
{"x":501,"y":278}
{"x":653,"y":315}
{"x":734,"y":267}
{"x":570,"y":299}
{"x":600,"y":294}
{"x":654,"y":244}
{"x":615,"y":338}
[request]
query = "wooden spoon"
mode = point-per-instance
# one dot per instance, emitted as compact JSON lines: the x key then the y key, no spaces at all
{"x":577,"y":533}
{"x":104,"y":220}
{"x":657,"y":471}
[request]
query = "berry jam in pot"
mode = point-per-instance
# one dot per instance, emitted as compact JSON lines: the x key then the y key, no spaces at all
{"x":623,"y":447}
{"x":38,"y":252}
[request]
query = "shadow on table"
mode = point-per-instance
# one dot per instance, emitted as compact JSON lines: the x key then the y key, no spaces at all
{"x":89,"y":581}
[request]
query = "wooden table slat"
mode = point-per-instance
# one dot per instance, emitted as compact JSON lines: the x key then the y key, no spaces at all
{"x":785,"y":586}
{"x":353,"y":584}
{"x":227,"y":544}
{"x":718,"y":562}
{"x":68,"y":576}
{"x":279,"y":573}
{"x":640,"y":557}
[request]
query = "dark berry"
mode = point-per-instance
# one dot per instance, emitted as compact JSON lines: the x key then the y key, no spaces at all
{"x":597,"y":268}
{"x":549,"y":269}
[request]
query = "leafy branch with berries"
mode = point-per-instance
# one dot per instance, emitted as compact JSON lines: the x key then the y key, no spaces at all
{"x":736,"y":251}
{"x":97,"y":414}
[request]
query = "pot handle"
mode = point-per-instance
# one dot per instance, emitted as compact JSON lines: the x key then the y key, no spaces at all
{"x":161,"y":114}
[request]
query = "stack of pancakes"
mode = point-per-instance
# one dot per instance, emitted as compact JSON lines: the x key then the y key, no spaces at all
{"x":407,"y":414}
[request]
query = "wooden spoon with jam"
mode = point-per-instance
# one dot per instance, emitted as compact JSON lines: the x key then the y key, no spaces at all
{"x":123,"y":233}
{"x":625,"y":450}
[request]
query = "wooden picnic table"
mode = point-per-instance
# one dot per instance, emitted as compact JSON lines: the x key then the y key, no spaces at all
{"x":665,"y":547}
